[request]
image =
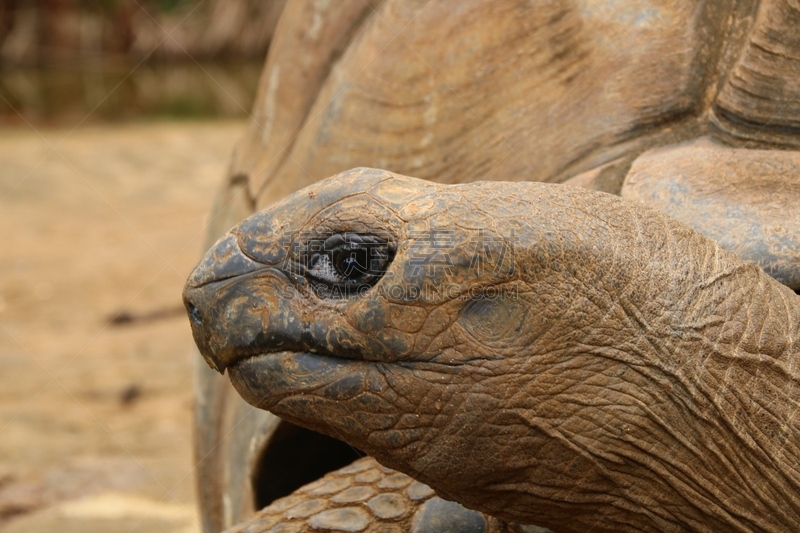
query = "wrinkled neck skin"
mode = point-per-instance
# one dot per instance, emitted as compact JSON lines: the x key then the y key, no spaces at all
{"x":655,"y":389}
{"x":638,"y":378}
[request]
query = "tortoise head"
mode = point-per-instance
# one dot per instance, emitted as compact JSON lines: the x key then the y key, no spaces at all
{"x":364,"y":307}
{"x":402,"y":317}
{"x":507,"y":343}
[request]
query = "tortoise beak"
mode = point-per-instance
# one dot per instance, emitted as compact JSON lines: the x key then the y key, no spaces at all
{"x":224,"y":261}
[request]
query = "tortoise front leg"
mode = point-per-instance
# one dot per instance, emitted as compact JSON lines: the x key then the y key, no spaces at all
{"x":368,"y":497}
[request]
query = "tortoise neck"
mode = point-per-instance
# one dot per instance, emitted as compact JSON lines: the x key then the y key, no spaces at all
{"x":696,"y":350}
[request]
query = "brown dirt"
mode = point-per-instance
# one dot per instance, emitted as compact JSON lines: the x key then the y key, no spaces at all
{"x":95,"y":418}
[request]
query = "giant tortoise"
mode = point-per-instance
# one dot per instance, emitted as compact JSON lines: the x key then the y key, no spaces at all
{"x":691,"y":107}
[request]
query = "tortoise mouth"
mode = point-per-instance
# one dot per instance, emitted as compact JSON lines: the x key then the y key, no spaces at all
{"x":264,"y":379}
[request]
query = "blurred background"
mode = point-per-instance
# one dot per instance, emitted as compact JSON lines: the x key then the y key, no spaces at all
{"x":117,"y":121}
{"x":60,"y":59}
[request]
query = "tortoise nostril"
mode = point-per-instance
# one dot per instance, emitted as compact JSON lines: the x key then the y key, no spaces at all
{"x":194,"y":314}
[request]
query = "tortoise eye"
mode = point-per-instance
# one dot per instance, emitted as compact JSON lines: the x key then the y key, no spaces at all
{"x":347,"y":264}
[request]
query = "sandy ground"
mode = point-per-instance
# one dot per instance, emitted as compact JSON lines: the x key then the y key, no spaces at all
{"x":95,"y":418}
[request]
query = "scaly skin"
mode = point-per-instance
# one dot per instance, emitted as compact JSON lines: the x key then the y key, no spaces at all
{"x":367,"y":497}
{"x":563,"y":357}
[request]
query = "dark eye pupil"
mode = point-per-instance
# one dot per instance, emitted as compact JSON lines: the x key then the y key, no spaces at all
{"x":351,"y":262}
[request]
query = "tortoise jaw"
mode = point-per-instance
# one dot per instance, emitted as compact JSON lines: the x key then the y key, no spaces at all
{"x":264,"y":379}
{"x":223,"y":266}
{"x":231,"y":320}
